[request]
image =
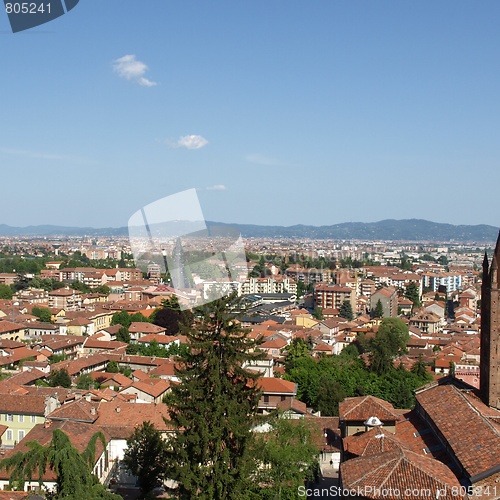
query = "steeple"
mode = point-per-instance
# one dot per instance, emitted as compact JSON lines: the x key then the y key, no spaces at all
{"x":485,"y":265}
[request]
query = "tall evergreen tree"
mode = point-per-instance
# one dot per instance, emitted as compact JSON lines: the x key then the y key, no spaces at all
{"x":213,"y":407}
{"x":379,"y":310}
{"x":345,"y":310}
{"x":412,"y":293}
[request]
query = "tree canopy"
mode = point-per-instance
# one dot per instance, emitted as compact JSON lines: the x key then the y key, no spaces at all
{"x":389,"y":342}
{"x":170,"y":315}
{"x":42,"y":313}
{"x":288,"y":458}
{"x":60,"y":378}
{"x":146,"y":456}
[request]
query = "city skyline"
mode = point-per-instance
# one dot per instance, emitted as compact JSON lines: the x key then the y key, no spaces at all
{"x":278,"y":114}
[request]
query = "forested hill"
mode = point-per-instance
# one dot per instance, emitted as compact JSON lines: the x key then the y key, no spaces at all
{"x":386,"y":230}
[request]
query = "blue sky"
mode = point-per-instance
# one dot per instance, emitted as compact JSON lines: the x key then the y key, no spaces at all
{"x":278,"y":112}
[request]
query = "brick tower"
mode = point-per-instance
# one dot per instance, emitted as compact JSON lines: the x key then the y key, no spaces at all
{"x":490,"y":331}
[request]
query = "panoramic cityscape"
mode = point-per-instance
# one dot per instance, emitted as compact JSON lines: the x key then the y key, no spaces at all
{"x":358,"y":353}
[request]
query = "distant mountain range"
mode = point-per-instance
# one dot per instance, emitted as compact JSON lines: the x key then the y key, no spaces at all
{"x":385,"y":230}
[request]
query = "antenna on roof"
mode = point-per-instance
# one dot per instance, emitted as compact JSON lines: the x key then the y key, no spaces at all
{"x":376,"y":424}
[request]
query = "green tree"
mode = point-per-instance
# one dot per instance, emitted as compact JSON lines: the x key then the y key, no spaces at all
{"x":419,"y":368}
{"x":146,"y":456}
{"x":379,"y":310}
{"x":413,"y":293}
{"x":406,"y":263}
{"x":85,"y":381}
{"x":103,"y":289}
{"x":288,"y":458}
{"x":121,"y":318}
{"x":330,"y":394}
{"x":42,"y":313}
{"x":389,"y":342}
{"x":60,"y":378}
{"x":112,"y":367}
{"x":73,"y":470}
{"x":298,"y":348}
{"x":123,"y":335}
{"x":318,"y":313}
{"x":170,"y":316}
{"x":346,"y":310}
{"x":214,"y":407}
{"x":6,"y":292}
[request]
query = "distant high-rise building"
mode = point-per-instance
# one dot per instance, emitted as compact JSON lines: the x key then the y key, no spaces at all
{"x":490,"y":331}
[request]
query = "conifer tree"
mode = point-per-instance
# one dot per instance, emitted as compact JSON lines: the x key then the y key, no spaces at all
{"x":379,"y":310}
{"x":412,"y":293}
{"x":345,"y":310}
{"x":214,"y":407}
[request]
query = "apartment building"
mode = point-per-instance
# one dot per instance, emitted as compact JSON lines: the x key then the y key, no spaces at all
{"x":333,"y":296}
{"x":388,"y":297}
{"x":65,"y":298}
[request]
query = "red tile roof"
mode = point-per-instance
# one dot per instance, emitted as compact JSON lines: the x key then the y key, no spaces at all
{"x":394,"y":474}
{"x":474,"y":439}
{"x":364,"y":407}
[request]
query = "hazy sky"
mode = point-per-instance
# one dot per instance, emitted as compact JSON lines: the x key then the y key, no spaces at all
{"x":278,"y":112}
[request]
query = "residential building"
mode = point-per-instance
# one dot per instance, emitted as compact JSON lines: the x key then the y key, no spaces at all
{"x":388,"y":297}
{"x":333,"y":296}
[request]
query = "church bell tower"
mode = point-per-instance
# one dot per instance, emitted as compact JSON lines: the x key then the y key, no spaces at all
{"x":490,"y":331}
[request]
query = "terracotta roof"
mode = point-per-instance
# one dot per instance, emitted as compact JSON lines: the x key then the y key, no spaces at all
{"x":28,"y":376}
{"x":160,"y":338}
{"x":474,"y":439}
{"x":93,"y":343}
{"x":274,"y":344}
{"x":25,"y":404}
{"x":76,"y":366}
{"x":373,"y":442}
{"x":152,"y":387}
{"x":9,"y":326}
{"x":140,"y":327}
{"x":127,"y":416}
{"x":80,"y":410}
{"x":276,"y":385}
{"x":364,"y":407}
{"x":394,"y":474}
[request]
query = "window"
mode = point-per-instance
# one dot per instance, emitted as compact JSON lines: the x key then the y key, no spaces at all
{"x":21,"y":418}
{"x":20,"y":435}
{"x":9,"y":417}
{"x":33,"y":419}
{"x":9,"y":436}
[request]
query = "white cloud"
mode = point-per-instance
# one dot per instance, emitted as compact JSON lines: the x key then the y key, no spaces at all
{"x":216,"y":187}
{"x":188,"y":142}
{"x":130,"y":68}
